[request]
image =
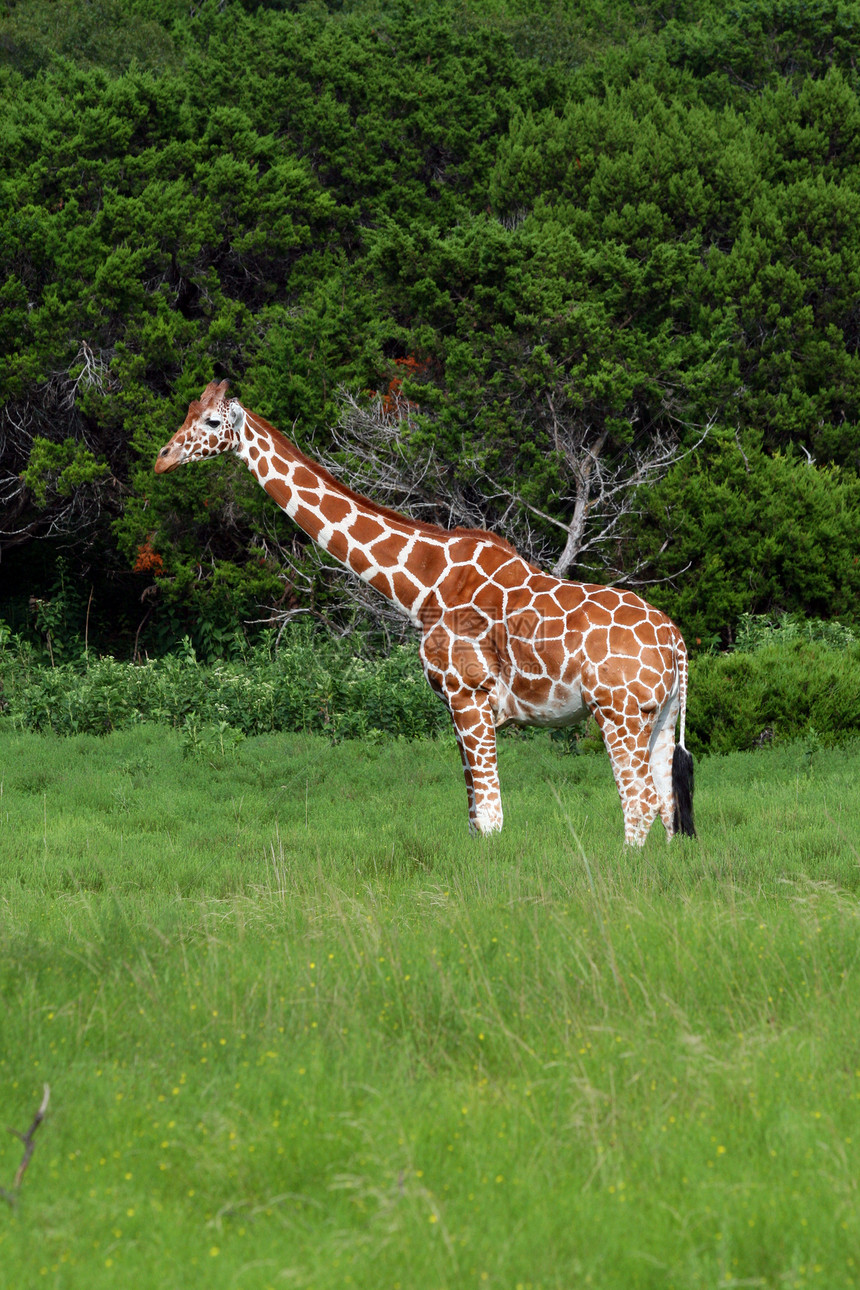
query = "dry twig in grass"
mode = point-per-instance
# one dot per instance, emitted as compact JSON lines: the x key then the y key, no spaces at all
{"x":11,"y":1196}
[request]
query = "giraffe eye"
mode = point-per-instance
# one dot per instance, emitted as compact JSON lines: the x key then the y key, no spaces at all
{"x":213,"y":423}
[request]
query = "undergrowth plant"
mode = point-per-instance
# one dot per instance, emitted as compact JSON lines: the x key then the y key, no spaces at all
{"x":785,"y":680}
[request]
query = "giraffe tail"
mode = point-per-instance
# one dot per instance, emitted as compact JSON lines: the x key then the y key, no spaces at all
{"x":682,"y":761}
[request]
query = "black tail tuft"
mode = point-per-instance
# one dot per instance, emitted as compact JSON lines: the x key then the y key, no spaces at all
{"x":682,"y":786}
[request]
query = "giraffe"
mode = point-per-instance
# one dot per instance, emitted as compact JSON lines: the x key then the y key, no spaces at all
{"x":501,"y":642}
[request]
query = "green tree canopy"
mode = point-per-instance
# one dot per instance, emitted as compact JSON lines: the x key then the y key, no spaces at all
{"x":572,"y":235}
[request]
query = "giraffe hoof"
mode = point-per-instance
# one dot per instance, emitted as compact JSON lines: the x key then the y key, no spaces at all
{"x":484,"y":824}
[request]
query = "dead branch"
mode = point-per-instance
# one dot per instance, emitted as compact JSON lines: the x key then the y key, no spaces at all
{"x":374,"y":457}
{"x":94,"y":373}
{"x":603,"y":493}
{"x":11,"y":1196}
{"x":376,"y":449}
{"x":373,"y":443}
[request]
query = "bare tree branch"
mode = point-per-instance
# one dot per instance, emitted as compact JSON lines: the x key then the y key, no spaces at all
{"x":95,"y":373}
{"x":375,"y":453}
{"x":377,"y":449}
{"x":375,"y":439}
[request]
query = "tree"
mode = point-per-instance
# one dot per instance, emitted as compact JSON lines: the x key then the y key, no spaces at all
{"x":760,"y":533}
{"x":593,"y":247}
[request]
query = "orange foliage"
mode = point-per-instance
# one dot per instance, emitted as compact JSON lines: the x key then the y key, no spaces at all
{"x":392,"y":396}
{"x":148,"y":561}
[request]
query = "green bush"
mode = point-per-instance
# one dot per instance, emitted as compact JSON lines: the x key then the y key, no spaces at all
{"x":785,"y":680}
{"x":774,"y":693}
{"x":309,"y":684}
{"x":756,"y":631}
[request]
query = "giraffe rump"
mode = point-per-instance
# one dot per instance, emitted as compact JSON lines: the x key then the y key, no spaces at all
{"x":682,"y":787}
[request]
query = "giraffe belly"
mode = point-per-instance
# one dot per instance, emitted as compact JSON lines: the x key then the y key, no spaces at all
{"x":526,"y":703}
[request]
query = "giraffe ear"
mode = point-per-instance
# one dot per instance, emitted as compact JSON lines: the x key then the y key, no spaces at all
{"x":235,"y":412}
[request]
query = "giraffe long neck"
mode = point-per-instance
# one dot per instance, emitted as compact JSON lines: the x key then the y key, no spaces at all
{"x":397,"y":558}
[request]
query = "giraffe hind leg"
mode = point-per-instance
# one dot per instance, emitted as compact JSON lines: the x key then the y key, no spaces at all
{"x":662,"y":745}
{"x":470,"y":785}
{"x":629,"y":753}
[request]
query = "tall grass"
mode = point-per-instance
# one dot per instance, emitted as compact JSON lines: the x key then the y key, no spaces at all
{"x":300,"y":1030}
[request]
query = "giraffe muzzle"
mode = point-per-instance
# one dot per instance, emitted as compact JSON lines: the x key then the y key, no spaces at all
{"x":169,"y":458}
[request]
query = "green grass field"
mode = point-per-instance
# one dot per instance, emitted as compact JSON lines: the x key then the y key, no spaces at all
{"x":302,"y":1031}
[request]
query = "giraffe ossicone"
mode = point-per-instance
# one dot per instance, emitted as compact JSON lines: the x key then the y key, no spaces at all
{"x":501,"y":642}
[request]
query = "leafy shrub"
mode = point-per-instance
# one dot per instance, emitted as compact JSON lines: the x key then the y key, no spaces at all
{"x":215,"y":744}
{"x":755,"y":631}
{"x":786,"y":679}
{"x":310,"y":684}
{"x":772,"y":693}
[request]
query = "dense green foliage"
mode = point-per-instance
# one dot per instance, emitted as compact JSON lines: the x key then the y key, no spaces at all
{"x":300,"y":1030}
{"x":583,"y":224}
{"x":312,"y":683}
{"x":784,"y":681}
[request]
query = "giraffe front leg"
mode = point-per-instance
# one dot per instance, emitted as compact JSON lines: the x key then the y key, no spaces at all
{"x":476,"y":739}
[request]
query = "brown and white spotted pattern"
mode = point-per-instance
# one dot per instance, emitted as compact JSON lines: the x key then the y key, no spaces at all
{"x":500,"y":641}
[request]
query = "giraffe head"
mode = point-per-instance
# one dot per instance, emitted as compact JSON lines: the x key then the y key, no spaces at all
{"x":210,"y":428}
